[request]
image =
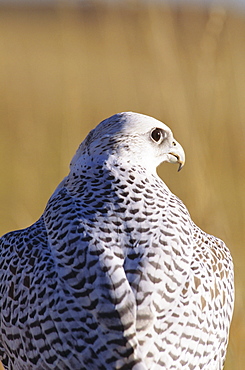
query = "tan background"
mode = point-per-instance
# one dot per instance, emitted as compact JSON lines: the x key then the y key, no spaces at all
{"x":64,"y":69}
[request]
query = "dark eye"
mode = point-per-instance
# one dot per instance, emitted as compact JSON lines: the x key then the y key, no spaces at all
{"x":157,"y":134}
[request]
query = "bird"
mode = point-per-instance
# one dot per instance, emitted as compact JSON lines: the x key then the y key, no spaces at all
{"x":115,"y":274}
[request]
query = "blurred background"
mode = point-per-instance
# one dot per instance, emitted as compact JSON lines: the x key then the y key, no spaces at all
{"x":65,"y":66}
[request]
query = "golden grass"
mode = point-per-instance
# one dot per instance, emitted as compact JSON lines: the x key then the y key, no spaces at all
{"x":62,"y":70}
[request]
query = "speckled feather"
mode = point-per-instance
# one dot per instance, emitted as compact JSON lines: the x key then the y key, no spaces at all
{"x":115,"y":275}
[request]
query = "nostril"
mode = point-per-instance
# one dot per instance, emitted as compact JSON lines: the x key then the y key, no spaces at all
{"x":174,"y":143}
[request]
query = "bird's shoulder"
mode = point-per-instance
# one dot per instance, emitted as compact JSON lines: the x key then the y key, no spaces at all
{"x":213,"y":249}
{"x":25,"y":255}
{"x":24,"y":242}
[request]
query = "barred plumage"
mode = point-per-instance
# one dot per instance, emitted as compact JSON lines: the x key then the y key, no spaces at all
{"x":115,"y":274}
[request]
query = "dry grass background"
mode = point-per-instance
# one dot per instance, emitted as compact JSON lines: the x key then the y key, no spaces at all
{"x":64,"y":69}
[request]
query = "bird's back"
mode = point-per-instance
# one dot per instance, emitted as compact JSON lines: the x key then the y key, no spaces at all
{"x":107,"y":278}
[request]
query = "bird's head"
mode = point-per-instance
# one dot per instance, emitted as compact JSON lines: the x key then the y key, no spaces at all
{"x":132,"y":137}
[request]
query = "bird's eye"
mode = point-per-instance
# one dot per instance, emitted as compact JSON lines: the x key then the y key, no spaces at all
{"x":157,"y":134}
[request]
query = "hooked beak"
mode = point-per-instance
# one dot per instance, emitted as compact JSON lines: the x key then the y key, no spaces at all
{"x":177,"y":155}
